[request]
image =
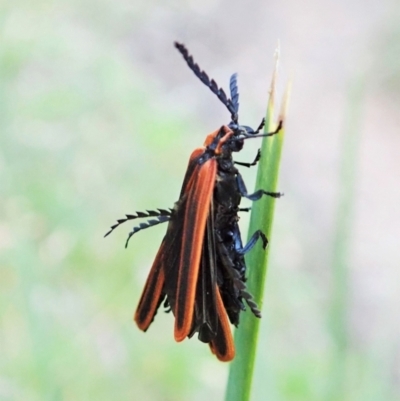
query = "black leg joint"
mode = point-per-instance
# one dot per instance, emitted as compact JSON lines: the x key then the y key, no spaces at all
{"x":252,"y":241}
{"x":256,"y":195}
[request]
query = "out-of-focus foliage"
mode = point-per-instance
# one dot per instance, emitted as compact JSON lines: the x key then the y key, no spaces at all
{"x":79,"y":139}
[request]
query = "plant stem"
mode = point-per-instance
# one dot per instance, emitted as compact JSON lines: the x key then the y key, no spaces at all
{"x":246,"y":336}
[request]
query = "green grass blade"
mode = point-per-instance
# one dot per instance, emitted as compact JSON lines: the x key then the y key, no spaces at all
{"x":246,"y":336}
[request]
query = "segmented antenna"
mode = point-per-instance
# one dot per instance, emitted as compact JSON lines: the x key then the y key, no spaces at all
{"x":233,"y":86}
{"x":251,"y":302}
{"x":149,"y":213}
{"x":242,"y":288}
{"x":229,"y":104}
{"x":149,"y":223}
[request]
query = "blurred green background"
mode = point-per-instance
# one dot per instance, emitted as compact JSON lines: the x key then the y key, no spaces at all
{"x":98,"y":115}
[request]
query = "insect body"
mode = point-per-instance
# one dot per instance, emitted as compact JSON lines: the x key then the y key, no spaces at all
{"x":199,"y":270}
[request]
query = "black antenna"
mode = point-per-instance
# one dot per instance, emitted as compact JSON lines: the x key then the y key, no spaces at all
{"x":233,"y":86}
{"x":229,"y":104}
{"x":160,"y":214}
